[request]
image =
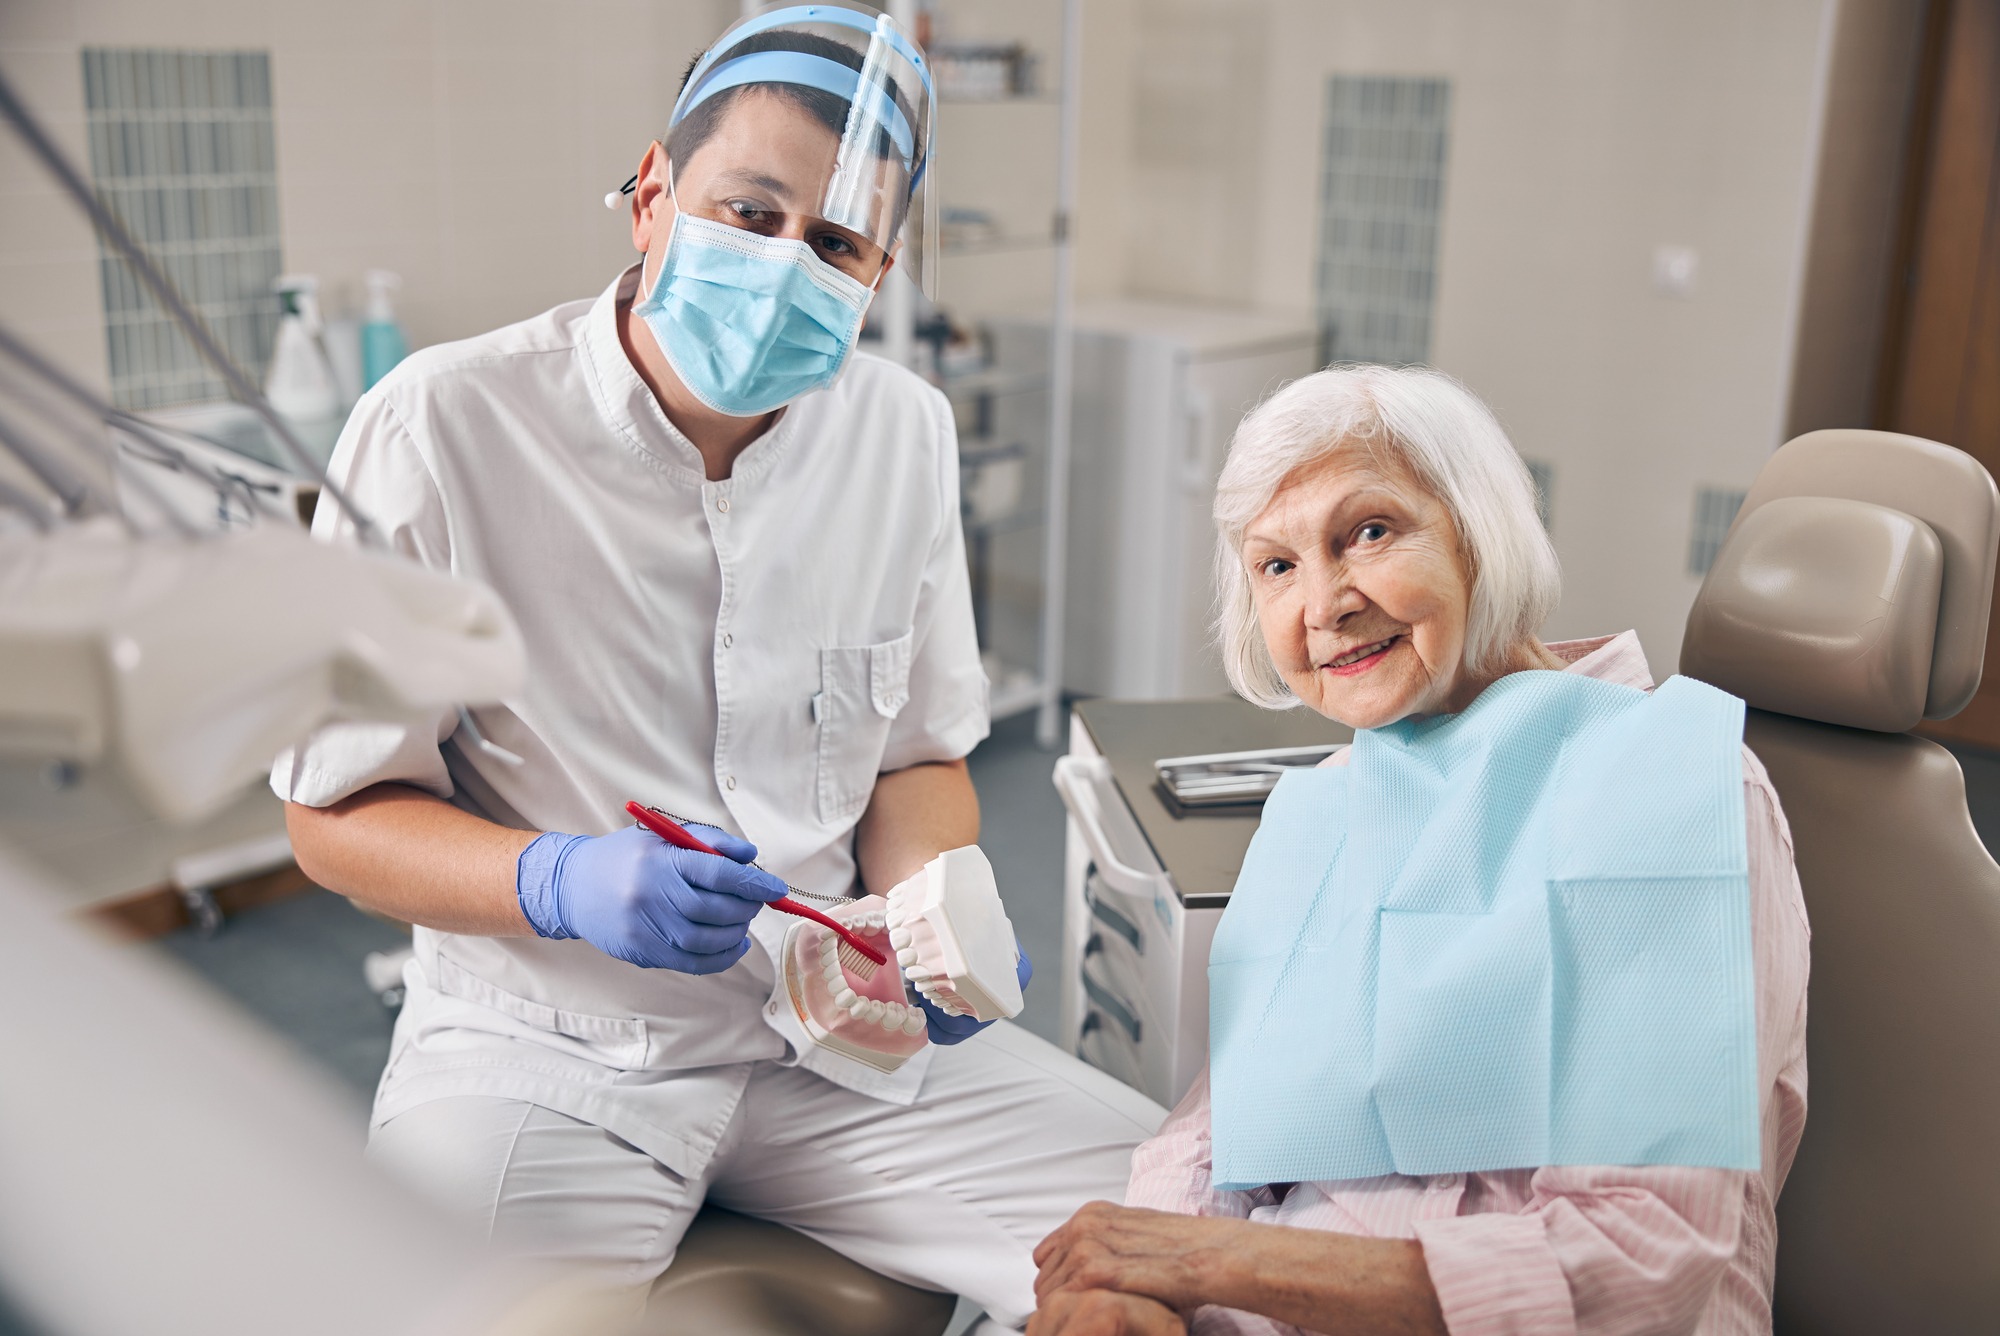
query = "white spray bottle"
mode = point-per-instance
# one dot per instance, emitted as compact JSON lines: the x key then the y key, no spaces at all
{"x":300,"y":384}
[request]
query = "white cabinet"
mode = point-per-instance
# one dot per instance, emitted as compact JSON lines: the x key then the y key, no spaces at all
{"x":1135,"y":978}
{"x":1159,"y":389}
{"x":1144,"y":885}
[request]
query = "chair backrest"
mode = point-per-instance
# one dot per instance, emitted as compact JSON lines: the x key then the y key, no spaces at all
{"x":1849,"y":601}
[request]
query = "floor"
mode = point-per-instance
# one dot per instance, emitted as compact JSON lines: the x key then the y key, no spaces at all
{"x":297,"y":964}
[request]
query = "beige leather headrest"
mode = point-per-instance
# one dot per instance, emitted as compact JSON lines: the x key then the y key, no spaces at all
{"x":1856,"y":584}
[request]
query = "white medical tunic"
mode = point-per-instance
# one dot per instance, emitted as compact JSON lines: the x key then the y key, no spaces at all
{"x":751,"y":652}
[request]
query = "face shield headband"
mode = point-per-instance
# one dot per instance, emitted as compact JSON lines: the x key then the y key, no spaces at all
{"x":880,"y":188}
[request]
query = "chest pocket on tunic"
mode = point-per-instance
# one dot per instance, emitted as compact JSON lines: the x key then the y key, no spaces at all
{"x":861,"y":691}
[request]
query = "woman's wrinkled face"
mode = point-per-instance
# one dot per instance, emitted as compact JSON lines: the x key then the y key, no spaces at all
{"x":1361,"y":591}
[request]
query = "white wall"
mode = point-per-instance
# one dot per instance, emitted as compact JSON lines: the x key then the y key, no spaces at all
{"x":1583,"y":134}
{"x":466,"y":144}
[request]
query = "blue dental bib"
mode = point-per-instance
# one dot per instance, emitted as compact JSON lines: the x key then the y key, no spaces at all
{"x":1513,"y":937}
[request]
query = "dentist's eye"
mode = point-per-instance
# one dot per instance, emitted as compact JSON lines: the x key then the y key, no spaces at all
{"x":748,"y":213}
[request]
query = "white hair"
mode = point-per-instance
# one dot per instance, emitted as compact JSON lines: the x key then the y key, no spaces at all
{"x":1438,"y":432}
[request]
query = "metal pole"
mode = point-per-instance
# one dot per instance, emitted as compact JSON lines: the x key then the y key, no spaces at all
{"x":1055,"y":559}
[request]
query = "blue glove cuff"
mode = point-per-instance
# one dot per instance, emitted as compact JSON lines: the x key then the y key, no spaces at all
{"x":535,"y":875}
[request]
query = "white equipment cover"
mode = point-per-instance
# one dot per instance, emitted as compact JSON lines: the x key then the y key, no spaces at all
{"x":189,"y":664}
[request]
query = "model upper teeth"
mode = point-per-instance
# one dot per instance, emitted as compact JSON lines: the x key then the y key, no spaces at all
{"x":1358,"y":655}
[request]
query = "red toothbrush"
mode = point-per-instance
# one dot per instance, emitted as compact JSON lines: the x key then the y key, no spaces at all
{"x":664,"y":826}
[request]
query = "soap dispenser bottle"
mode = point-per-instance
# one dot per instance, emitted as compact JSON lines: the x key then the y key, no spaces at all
{"x":300,"y":384}
{"x":382,"y":341}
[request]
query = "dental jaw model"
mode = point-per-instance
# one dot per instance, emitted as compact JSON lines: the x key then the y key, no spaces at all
{"x":947,"y":929}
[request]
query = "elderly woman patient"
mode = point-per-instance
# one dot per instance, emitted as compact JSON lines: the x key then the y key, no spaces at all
{"x":1507,"y":1027}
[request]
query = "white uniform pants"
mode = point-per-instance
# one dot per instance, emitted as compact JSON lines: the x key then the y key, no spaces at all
{"x":1010,"y":1136}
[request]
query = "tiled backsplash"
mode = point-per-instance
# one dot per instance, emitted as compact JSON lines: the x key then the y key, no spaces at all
{"x":1714,"y":511}
{"x":1381,"y":188}
{"x":1543,"y":474}
{"x":183,"y":150}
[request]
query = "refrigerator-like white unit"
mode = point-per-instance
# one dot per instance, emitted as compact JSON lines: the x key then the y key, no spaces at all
{"x":1160,"y":387}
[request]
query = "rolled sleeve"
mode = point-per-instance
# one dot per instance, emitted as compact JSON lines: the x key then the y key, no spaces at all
{"x":1496,"y":1275}
{"x":1599,"y":1252}
{"x":947,"y":712}
{"x":378,"y":465}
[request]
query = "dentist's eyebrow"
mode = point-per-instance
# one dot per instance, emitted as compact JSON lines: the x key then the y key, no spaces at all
{"x":769,"y":184}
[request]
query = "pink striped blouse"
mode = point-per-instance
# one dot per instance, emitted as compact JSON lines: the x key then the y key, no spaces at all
{"x":1567,"y":1250}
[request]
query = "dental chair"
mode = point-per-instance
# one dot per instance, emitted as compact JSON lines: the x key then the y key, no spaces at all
{"x":750,"y":1277}
{"x":1849,"y":603}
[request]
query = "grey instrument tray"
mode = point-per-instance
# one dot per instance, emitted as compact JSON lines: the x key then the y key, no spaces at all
{"x":1233,"y":779}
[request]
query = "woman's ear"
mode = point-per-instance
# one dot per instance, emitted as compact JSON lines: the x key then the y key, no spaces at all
{"x":652,"y":204}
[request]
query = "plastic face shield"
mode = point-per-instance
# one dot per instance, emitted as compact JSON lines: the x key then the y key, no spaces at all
{"x":814,"y":122}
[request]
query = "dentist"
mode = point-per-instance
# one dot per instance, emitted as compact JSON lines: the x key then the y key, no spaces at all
{"x":733,"y":547}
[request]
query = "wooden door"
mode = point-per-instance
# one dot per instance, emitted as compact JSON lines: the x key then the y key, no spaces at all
{"x":1941,"y":373}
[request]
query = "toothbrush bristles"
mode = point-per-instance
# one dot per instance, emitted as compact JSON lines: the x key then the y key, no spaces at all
{"x":855,"y":963}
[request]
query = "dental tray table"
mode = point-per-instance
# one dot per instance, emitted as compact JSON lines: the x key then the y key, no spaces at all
{"x":1146,"y":876}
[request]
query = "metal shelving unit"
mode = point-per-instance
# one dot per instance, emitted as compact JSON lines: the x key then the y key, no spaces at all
{"x":1018,"y":687}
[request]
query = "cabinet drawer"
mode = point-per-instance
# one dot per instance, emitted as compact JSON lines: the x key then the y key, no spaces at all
{"x":1115,"y":949}
{"x":1110,"y":1037}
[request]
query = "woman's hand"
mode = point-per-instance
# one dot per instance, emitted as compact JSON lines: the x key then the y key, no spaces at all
{"x":1183,"y":1261}
{"x":1312,"y":1278}
{"x":1104,"y":1313}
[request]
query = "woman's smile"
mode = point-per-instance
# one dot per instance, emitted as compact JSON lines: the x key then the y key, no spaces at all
{"x":1359,"y":660}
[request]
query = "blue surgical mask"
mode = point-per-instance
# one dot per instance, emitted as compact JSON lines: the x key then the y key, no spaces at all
{"x":749,"y":322}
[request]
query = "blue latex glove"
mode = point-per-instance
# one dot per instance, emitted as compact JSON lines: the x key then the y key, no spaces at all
{"x":632,"y":895}
{"x":957,"y":1029}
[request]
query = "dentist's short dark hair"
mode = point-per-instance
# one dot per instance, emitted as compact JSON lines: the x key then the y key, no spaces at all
{"x":829,"y":109}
